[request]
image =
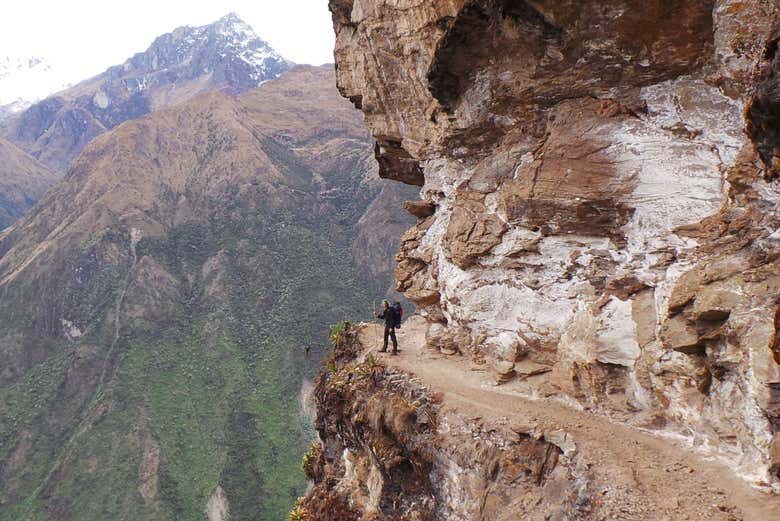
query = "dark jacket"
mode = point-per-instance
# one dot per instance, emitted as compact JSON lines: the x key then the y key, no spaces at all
{"x":389,"y":315}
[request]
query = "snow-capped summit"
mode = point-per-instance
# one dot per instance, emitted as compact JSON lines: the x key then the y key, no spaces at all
{"x":255,"y":52}
{"x":228,"y":50}
{"x":10,"y":65}
{"x":27,"y":79}
{"x":225,"y":55}
{"x":232,"y":24}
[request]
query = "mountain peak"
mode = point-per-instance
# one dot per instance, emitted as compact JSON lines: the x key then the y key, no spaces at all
{"x":224,"y":55}
{"x":27,"y":79}
{"x":228,"y":43}
{"x":232,"y":24}
{"x":231,"y":18}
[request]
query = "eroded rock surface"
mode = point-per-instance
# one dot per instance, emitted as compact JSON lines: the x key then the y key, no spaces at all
{"x":427,"y":437}
{"x":389,"y":451}
{"x":604,"y":177}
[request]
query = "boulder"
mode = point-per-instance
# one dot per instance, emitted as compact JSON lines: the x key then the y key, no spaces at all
{"x":448,"y":339}
{"x":503,"y":371}
{"x":472,"y":231}
{"x":420,"y":209}
{"x":678,"y":335}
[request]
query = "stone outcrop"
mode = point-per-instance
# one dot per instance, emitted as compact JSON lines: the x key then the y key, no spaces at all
{"x":605,"y":183}
{"x":388,"y":451}
{"x":427,"y":437}
{"x":420,"y":209}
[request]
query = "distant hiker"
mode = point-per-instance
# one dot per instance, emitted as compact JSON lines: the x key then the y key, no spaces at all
{"x":392,"y":316}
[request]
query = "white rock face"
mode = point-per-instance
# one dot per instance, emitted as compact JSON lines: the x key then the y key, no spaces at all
{"x":70,"y":330}
{"x":217,"y":506}
{"x":616,"y":334}
{"x":552,"y":302}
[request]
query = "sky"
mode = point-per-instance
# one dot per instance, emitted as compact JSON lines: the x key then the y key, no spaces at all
{"x":87,"y":36}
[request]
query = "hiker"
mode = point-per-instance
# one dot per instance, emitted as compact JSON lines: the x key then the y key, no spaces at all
{"x":392,"y":316}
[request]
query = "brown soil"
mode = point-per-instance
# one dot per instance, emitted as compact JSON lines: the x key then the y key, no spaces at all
{"x":635,"y":475}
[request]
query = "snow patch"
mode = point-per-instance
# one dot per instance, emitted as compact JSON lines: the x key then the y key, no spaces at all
{"x":101,"y":100}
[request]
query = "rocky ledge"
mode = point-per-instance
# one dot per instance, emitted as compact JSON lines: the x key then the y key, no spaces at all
{"x":422,"y":436}
{"x":391,"y":451}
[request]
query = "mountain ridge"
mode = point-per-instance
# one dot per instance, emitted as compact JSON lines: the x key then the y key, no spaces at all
{"x":23,"y":180}
{"x":155,"y":305}
{"x":226,"y":54}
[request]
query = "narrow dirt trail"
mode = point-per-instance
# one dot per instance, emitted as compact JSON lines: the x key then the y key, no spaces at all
{"x":635,"y":475}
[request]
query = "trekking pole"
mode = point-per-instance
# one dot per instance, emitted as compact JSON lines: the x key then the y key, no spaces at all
{"x":373,"y":317}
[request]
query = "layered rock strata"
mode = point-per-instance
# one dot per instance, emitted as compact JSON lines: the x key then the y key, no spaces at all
{"x":603,"y":182}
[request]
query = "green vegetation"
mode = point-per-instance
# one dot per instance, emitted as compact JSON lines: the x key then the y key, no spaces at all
{"x":298,"y":512}
{"x":310,"y":458}
{"x":337,"y":333}
{"x":203,"y":391}
{"x":225,"y":402}
{"x":143,"y":379}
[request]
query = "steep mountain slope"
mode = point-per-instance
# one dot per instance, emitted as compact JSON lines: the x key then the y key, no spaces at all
{"x":225,"y":55}
{"x":155,"y":305}
{"x":600,"y":228}
{"x":23,"y":180}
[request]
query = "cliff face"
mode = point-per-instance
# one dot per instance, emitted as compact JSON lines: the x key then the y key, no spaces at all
{"x":600,"y":187}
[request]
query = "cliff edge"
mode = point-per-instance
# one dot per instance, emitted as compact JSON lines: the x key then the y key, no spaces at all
{"x":428,"y":436}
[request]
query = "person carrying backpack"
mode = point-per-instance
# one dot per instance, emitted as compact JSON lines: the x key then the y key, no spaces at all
{"x":392,"y":316}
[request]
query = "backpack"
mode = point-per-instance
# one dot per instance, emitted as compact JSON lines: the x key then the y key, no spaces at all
{"x":398,"y":311}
